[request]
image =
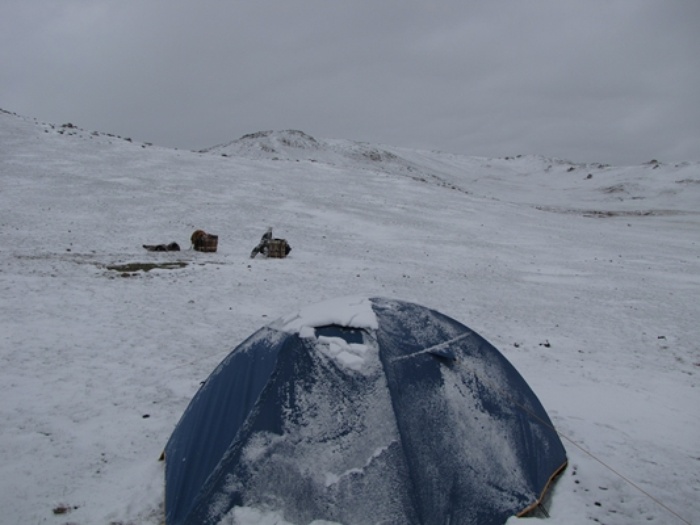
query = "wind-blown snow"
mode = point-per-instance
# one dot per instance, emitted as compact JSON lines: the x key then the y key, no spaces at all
{"x":586,"y":277}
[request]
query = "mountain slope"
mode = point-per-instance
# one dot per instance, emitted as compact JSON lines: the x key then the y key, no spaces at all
{"x":526,"y":179}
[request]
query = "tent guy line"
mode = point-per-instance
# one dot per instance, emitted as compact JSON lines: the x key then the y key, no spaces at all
{"x":580,"y":447}
{"x":622,"y":477}
{"x":435,"y":349}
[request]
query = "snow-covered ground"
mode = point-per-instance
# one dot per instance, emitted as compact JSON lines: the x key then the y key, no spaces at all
{"x":586,"y":277}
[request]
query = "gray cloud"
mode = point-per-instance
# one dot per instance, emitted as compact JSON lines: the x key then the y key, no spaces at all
{"x":602,"y":81}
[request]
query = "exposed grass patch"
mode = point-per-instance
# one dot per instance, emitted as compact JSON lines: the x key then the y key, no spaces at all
{"x":62,"y":508}
{"x":146,"y":267}
{"x":603,"y":214}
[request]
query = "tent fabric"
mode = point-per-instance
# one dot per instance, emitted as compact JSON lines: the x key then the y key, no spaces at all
{"x":389,"y":413}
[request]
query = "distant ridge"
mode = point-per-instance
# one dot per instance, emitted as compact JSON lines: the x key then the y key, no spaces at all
{"x":600,"y":190}
{"x":294,"y":144}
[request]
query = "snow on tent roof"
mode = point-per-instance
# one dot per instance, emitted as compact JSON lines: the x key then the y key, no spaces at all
{"x":349,"y":312}
{"x":362,"y":411}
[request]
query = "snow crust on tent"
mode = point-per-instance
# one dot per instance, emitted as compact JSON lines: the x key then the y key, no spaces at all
{"x":432,"y":426}
{"x":349,"y":312}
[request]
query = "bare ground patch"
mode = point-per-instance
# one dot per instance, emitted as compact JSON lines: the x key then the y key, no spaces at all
{"x":607,"y":214}
{"x":146,"y":266}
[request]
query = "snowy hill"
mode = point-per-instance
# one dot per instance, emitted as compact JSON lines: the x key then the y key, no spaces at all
{"x":297,"y":145}
{"x":528,"y":179}
{"x":585,"y":276}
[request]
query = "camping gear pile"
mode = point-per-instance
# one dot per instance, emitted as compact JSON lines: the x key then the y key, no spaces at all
{"x":207,"y":242}
{"x":172,"y":247}
{"x":270,"y":247}
{"x":362,"y":411}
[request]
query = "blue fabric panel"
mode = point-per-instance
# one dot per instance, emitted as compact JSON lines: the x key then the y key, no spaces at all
{"x":314,"y":419}
{"x":478,"y":443}
{"x":273,"y":409}
{"x":213,"y":418}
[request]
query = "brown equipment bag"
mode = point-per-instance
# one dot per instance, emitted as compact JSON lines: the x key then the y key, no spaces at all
{"x":278,"y":248}
{"x":204,"y":242}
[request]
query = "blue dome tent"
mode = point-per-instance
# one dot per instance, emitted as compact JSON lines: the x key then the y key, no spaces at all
{"x":362,"y":411}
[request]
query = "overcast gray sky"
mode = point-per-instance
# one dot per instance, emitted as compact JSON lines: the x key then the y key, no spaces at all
{"x":615,"y":81}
